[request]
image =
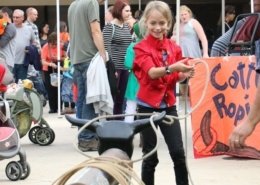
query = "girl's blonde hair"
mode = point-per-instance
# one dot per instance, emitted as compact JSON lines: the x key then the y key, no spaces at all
{"x":187,"y":9}
{"x":161,"y":7}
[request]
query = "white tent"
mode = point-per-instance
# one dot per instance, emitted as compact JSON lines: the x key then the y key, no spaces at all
{"x":252,"y":6}
{"x":58,"y":54}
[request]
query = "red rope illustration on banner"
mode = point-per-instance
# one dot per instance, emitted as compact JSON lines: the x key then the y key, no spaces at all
{"x":206,"y":140}
{"x":207,"y":136}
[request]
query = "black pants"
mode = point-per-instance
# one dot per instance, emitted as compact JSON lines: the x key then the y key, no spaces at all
{"x":51,"y":90}
{"x":121,"y":87}
{"x":173,"y":138}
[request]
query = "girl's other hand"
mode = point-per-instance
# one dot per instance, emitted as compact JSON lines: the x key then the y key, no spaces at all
{"x":182,"y":67}
{"x":189,"y":74}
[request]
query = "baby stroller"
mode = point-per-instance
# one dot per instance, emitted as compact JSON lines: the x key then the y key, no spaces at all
{"x":26,"y":109}
{"x":10,"y":141}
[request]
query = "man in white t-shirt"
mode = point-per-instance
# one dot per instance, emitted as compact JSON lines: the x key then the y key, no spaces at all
{"x":24,"y":37}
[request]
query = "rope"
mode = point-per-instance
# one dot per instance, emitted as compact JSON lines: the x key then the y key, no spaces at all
{"x":194,"y":108}
{"x":121,"y":170}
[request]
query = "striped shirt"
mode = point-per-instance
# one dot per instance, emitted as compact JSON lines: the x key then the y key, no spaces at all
{"x":36,"y":33}
{"x":31,"y":70}
{"x":116,"y":40}
{"x":221,"y":45}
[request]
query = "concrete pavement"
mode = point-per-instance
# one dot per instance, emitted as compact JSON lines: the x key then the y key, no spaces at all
{"x":49,"y":162}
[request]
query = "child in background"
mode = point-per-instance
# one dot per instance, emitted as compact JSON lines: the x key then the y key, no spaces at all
{"x":66,"y":87}
{"x":132,"y":83}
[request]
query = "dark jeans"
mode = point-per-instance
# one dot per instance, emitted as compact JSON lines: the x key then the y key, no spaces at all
{"x":173,"y":138}
{"x":121,"y":87}
{"x":84,"y":111}
{"x":20,"y":72}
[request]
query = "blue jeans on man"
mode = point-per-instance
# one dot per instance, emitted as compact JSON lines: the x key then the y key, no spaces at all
{"x":84,"y":111}
{"x":20,"y":72}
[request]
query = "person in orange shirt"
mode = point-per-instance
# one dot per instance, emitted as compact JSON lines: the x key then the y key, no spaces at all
{"x":50,"y":65}
{"x":3,"y":23}
{"x":64,"y":34}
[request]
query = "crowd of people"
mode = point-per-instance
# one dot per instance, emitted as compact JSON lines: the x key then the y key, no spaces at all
{"x":30,"y":52}
{"x":147,"y":65}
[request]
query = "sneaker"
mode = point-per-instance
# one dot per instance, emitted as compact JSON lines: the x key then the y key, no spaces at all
{"x":72,"y":111}
{"x":88,"y":145}
{"x":68,"y":111}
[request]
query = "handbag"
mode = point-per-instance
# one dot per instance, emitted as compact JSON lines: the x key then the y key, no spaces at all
{"x":54,"y":79}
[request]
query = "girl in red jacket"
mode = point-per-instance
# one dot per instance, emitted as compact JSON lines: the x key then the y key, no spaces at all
{"x":158,"y":67}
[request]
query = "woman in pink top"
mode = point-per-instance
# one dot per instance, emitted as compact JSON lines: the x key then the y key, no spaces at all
{"x":49,"y":62}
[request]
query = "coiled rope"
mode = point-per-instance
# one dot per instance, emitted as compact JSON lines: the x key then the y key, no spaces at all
{"x":120,"y":170}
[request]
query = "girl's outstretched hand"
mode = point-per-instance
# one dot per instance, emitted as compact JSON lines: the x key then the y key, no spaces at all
{"x":186,"y":70}
{"x":184,"y":66}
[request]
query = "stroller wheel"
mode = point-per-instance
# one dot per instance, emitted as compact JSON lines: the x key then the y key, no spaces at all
{"x":44,"y":136}
{"x":13,"y":170}
{"x":26,"y":171}
{"x":32,"y":134}
{"x":53,"y":135}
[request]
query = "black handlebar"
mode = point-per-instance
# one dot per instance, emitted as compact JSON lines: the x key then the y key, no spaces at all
{"x":114,"y":133}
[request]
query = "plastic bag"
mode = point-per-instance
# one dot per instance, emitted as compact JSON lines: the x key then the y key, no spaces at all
{"x":54,"y":79}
